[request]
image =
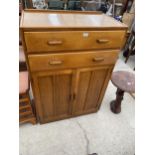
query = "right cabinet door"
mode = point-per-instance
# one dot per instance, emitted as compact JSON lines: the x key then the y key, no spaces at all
{"x":89,"y":89}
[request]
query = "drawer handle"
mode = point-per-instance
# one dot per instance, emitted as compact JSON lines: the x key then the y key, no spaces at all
{"x":98,"y":59}
{"x":55,"y":62}
{"x":102,"y":41}
{"x":54,"y":42}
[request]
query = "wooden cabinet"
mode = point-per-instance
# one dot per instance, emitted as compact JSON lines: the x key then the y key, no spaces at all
{"x":70,"y":57}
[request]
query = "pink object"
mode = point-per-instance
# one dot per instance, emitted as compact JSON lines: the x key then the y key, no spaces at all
{"x":23,"y":82}
{"x":21,"y":54}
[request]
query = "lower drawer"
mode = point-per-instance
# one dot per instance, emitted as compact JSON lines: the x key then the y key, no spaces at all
{"x":41,"y":62}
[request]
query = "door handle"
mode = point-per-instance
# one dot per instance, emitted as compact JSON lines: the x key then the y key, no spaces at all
{"x":72,"y":97}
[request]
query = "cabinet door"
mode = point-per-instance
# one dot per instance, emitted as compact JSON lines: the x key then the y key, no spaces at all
{"x":52,"y":92}
{"x":90,"y":87}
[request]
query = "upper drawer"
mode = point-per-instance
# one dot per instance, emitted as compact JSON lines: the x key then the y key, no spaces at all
{"x":72,"y":40}
{"x":41,"y":62}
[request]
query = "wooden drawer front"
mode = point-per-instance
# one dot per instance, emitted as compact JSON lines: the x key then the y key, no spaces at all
{"x":42,"y":62}
{"x":79,"y":40}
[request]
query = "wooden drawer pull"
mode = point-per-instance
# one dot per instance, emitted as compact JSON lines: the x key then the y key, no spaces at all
{"x":102,"y":41}
{"x":98,"y":59}
{"x":54,"y":42}
{"x":55,"y":62}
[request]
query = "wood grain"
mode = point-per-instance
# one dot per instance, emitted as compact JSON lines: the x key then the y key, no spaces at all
{"x":71,"y":40}
{"x":53,"y":91}
{"x":44,"y":19}
{"x":90,"y":86}
{"x":41,"y":62}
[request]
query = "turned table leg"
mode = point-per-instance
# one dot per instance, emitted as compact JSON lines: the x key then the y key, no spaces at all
{"x":115,"y":105}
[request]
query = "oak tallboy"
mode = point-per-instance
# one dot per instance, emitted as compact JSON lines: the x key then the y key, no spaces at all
{"x":70,"y":57}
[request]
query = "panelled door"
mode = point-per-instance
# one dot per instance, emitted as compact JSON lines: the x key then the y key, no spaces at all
{"x":89,"y":89}
{"x":53,"y":94}
{"x":64,"y":93}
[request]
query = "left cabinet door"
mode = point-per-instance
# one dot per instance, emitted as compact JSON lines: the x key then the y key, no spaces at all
{"x":52,"y":92}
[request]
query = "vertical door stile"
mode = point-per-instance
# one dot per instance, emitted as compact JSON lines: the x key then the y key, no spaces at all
{"x":53,"y":98}
{"x":87,"y":91}
{"x":37,"y":97}
{"x":74,"y":91}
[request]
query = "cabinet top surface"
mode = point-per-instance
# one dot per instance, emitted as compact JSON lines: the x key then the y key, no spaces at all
{"x":67,"y":19}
